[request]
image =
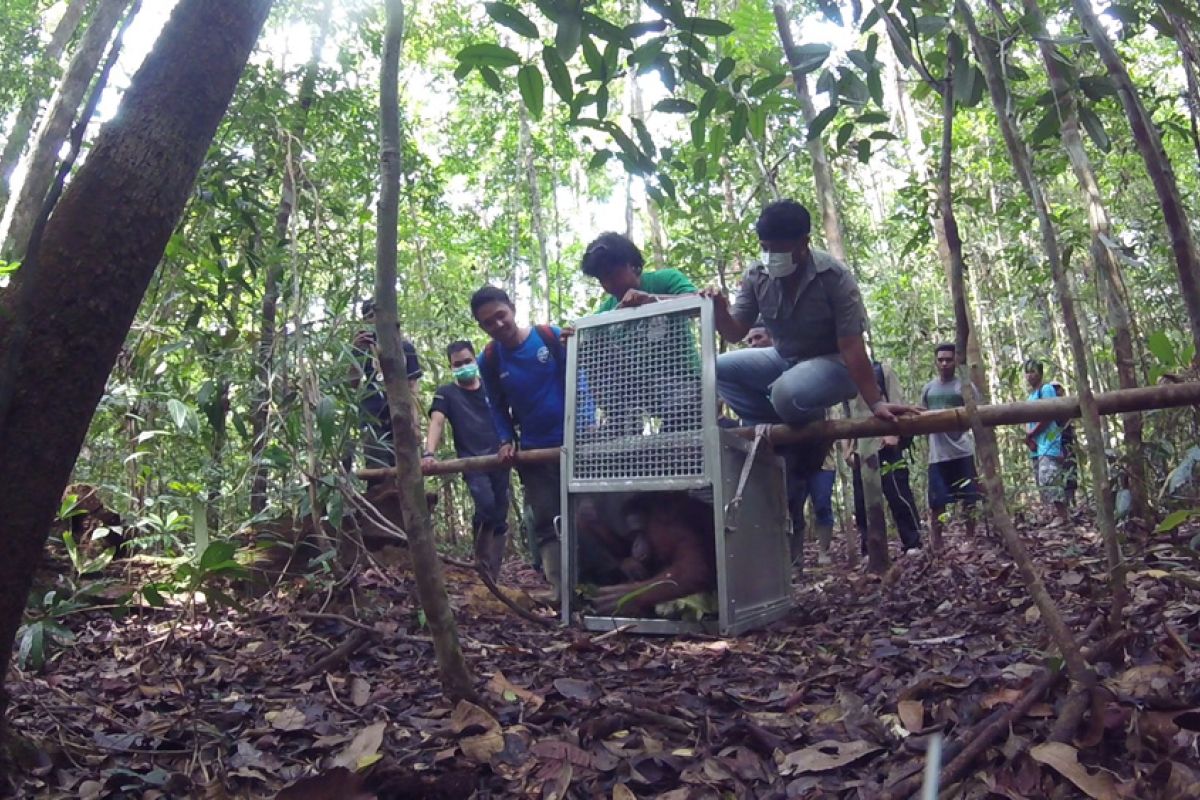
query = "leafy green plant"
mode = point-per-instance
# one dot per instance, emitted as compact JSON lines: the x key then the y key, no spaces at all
{"x":205,"y":571}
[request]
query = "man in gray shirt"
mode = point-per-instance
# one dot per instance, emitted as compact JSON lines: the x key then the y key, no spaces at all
{"x":810,"y":304}
{"x":951,"y":455}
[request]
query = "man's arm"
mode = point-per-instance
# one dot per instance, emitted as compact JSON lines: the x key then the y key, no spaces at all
{"x":729,"y":326}
{"x":437,"y":424}
{"x":854,"y":353}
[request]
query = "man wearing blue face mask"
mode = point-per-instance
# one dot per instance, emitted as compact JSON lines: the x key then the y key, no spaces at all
{"x":464,"y":403}
{"x":810,"y":304}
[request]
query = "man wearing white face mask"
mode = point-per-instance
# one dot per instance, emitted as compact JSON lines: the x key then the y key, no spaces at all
{"x":464,"y":404}
{"x":811,"y":305}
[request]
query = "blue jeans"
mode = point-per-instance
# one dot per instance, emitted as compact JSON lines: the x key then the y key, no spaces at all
{"x":818,"y":486}
{"x":489,"y":490}
{"x":761,"y":387}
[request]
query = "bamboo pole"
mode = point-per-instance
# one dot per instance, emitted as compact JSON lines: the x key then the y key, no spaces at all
{"x":1122,"y":401}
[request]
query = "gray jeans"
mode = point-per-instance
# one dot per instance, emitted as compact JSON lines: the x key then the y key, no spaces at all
{"x":543,"y":495}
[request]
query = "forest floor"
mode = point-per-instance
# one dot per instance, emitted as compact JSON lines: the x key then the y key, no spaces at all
{"x":837,"y":701}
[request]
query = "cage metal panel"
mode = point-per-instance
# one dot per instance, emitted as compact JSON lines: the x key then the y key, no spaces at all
{"x":638,"y":394}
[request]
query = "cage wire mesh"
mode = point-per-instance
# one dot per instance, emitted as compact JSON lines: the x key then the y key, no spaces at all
{"x":638,"y":387}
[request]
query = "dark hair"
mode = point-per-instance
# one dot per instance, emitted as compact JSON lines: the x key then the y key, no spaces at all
{"x":783,"y":220}
{"x":489,"y":294}
{"x":945,"y":346}
{"x":609,"y":251}
{"x":460,"y":344}
{"x":367,"y":307}
{"x":1033,"y":365}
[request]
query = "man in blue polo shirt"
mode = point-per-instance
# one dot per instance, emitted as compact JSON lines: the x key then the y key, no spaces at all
{"x":524,"y":374}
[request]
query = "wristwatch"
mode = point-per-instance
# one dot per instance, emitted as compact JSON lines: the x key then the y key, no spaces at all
{"x":428,"y":454}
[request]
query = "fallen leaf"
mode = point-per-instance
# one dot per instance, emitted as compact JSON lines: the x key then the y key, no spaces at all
{"x":363,"y":749}
{"x":622,"y":792}
{"x":1064,"y":760}
{"x":555,"y":749}
{"x":501,"y":686}
{"x":574,"y":689}
{"x":912,"y":714}
{"x":999,"y":697}
{"x":824,"y":756}
{"x":1032,"y":614}
{"x":360,"y":691}
{"x":479,"y":746}
{"x":289,"y":719}
{"x":1143,"y":683}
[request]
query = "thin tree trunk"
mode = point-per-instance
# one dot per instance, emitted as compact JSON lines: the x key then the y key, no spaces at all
{"x":1158,"y":165}
{"x":1022,"y":165}
{"x":39,"y":173}
{"x":260,"y":413}
{"x":69,"y":314}
{"x":427,"y":566}
{"x":657,"y":239}
{"x":1104,"y":257}
{"x":48,"y":67}
{"x":533,"y":184}
{"x":987,"y":449}
{"x":831,"y":222}
{"x":1191,"y":67}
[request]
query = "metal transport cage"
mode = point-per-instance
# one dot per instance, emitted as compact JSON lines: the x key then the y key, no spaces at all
{"x":641,"y":416}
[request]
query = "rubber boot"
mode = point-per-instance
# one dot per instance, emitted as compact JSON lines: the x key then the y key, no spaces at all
{"x":824,"y":538}
{"x":495,"y":555}
{"x":551,"y":553}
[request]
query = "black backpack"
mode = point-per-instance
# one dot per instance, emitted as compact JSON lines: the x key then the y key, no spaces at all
{"x":491,"y":368}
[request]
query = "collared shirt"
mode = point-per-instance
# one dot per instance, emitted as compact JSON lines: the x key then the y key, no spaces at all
{"x":806,"y":312}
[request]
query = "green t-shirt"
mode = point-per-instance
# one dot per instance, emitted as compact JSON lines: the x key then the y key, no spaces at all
{"x":661,"y":281}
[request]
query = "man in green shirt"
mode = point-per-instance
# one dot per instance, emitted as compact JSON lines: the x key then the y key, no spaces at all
{"x":631,"y":405}
{"x":617,"y":264}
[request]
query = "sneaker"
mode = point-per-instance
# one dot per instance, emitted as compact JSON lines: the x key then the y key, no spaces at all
{"x":913,"y":551}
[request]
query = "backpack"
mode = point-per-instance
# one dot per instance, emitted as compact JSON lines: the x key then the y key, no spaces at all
{"x":880,"y":381}
{"x":491,"y":368}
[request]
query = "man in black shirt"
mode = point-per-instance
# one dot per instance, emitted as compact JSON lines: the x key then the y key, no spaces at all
{"x":367,"y":380}
{"x":464,"y":403}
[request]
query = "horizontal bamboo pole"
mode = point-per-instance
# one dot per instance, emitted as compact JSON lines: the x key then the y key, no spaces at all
{"x":1122,"y":401}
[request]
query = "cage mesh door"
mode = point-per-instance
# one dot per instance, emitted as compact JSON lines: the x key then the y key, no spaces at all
{"x":638,"y":399}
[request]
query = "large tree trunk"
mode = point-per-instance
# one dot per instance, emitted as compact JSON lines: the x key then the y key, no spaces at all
{"x":1023,"y":166}
{"x":69,"y":313}
{"x":48,"y":66}
{"x":1190,"y":53}
{"x":39,"y":173}
{"x":427,"y":566}
{"x":1158,"y":165}
{"x":1104,"y":258}
{"x":293,"y":142}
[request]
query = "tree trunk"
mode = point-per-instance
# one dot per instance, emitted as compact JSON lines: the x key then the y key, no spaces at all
{"x":69,"y":313}
{"x":831,"y":221}
{"x":1158,"y":165}
{"x":40,"y":170}
{"x":47,"y":69}
{"x":1191,"y":70}
{"x":260,"y":413}
{"x":1104,"y":258}
{"x":427,"y":566}
{"x":1023,"y":166}
{"x":535,"y":208}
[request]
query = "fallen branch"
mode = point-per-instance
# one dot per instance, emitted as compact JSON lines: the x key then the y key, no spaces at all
{"x":1122,"y":401}
{"x":490,"y":583}
{"x":979,"y":739}
{"x":340,"y":653}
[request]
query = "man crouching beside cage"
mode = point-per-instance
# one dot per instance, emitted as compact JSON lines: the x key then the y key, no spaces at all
{"x":812,"y":307}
